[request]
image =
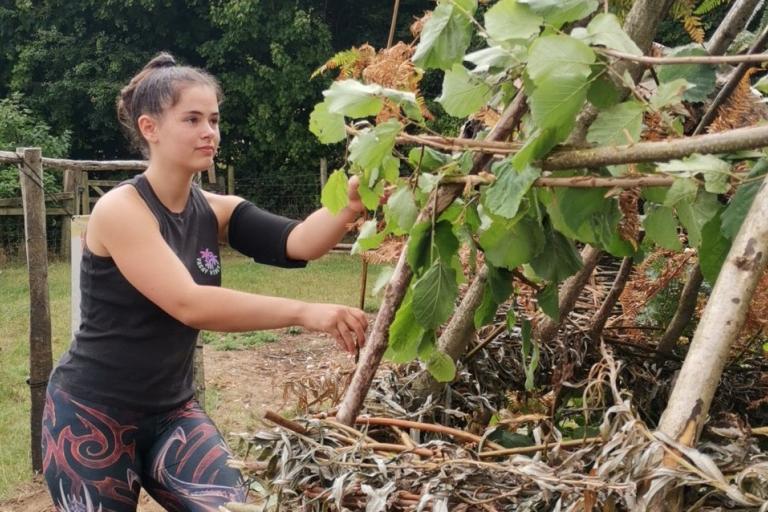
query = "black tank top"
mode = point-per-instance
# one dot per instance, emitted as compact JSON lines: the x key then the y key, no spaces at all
{"x":128,"y":352}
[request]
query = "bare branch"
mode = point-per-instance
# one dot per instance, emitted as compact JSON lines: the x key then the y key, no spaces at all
{"x":757,"y":58}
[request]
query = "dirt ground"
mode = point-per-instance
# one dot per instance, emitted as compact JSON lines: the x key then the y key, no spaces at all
{"x":242,"y":385}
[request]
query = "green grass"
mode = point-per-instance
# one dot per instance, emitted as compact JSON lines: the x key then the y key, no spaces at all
{"x":334,"y":278}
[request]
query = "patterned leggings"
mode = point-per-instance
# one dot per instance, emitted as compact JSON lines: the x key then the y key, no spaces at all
{"x":97,"y":458}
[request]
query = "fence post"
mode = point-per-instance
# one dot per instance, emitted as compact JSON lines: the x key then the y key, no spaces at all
{"x":40,"y":353}
{"x":230,"y":180}
{"x":85,"y":209}
{"x":69,"y":185}
{"x":323,"y":173}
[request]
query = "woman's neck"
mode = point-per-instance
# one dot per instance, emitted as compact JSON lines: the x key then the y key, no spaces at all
{"x":172,"y":188}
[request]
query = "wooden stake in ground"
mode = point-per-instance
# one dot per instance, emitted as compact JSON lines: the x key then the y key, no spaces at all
{"x":40,"y":355}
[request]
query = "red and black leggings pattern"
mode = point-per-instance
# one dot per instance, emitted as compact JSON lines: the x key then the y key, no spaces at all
{"x":97,"y":458}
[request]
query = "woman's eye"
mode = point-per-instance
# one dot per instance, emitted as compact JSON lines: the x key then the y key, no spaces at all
{"x":191,"y":120}
{"x":214,"y":122}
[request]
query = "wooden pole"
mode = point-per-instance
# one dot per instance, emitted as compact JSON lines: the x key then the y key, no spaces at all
{"x":230,"y":180}
{"x":40,"y":354}
{"x":85,"y":197}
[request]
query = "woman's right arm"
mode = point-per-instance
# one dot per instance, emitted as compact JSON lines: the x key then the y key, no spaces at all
{"x":148,"y":263}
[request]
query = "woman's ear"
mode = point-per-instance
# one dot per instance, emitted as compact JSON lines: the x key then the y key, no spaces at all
{"x":148,"y":127}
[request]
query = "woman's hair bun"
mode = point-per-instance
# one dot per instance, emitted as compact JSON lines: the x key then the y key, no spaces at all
{"x":161,"y":60}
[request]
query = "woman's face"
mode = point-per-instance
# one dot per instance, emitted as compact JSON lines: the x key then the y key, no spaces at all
{"x":187,"y":135}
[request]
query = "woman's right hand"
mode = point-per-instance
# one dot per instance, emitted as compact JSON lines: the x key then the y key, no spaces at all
{"x":346,"y":324}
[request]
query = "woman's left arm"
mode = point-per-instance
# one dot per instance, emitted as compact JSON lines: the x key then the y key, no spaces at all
{"x":322,"y":230}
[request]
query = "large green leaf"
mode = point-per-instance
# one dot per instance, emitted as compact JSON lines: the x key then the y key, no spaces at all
{"x":353,"y":99}
{"x":603,"y":93}
{"x":614,"y":125}
{"x":661,"y":227}
{"x":509,"y":245}
{"x":504,"y":196}
{"x":508,"y":20}
{"x":369,"y":149}
{"x":463,"y":93}
{"x":335,"y":195}
{"x":605,"y":30}
{"x":444,"y":38}
{"x":555,"y":103}
{"x":418,"y":248}
{"x":402,"y":209}
{"x":702,"y":76}
{"x":405,"y":333}
{"x":434,"y":295}
{"x":714,"y":249}
{"x":578,"y":205}
{"x":559,"y":57}
{"x":327,"y":127}
{"x":427,"y":159}
{"x":742,"y":200}
{"x":682,"y":190}
{"x":559,"y":12}
{"x":537,"y":146}
{"x":558,"y":260}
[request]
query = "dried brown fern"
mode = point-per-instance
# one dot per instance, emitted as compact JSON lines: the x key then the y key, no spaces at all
{"x":685,"y":12}
{"x":742,"y":108}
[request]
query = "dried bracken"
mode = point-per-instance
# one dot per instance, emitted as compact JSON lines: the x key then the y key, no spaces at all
{"x":742,"y":108}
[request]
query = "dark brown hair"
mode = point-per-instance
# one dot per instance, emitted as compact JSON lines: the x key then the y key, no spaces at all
{"x":156,"y":87}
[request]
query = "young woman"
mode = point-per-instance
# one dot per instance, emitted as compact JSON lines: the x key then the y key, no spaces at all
{"x":120,"y":412}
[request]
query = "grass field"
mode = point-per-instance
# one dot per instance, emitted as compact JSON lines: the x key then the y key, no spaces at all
{"x":334,"y":278}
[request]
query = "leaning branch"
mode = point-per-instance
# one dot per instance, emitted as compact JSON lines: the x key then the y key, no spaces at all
{"x":573,"y":181}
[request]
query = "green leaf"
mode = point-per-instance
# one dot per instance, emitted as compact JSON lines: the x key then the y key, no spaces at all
{"x":382,"y":280}
{"x":504,"y":196}
{"x":742,"y":200}
{"x":509,"y":245}
{"x":715,"y":170}
{"x":335,"y":195}
{"x":537,"y":146}
{"x":694,"y":214}
{"x":498,"y":288}
{"x":417,"y":250}
{"x":669,"y":93}
{"x":463,"y":93}
{"x":549,"y":302}
{"x":511,"y":319}
{"x":497,"y":58}
{"x":445,"y":241}
{"x":327,"y":127}
{"x":661,"y":228}
{"x":402,"y":208}
{"x":353,"y":99}
{"x":427,"y":159}
{"x":559,"y":12}
{"x":603,"y":94}
{"x":558,"y":260}
{"x":762,"y":85}
{"x":441,"y":366}
{"x":371,"y":196}
{"x":405,"y":333}
{"x":578,"y":205}
{"x":444,"y":38}
{"x":682,"y":189}
{"x":614,"y":125}
{"x":555,"y":57}
{"x":605,"y":30}
{"x":368,"y":149}
{"x":556,"y":102}
{"x":530,"y":351}
{"x":701,"y":76}
{"x":714,"y":249}
{"x":434,"y":295}
{"x":368,"y":238}
{"x":508,"y":20}
{"x":656,"y":195}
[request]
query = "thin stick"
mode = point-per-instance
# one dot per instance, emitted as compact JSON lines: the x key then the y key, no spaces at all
{"x":756,"y":58}
{"x":425,"y":427}
{"x":646,"y":180}
{"x":480,"y":346}
{"x":285,"y":423}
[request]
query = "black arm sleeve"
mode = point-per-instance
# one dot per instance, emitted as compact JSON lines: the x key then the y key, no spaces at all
{"x":262,"y":235}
